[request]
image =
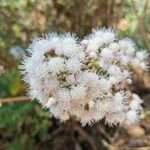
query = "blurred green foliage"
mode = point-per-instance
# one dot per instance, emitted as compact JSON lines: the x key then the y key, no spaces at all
{"x":22,"y":20}
{"x":20,"y":123}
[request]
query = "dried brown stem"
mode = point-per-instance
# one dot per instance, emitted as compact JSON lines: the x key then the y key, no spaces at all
{"x":104,"y":133}
{"x":85,"y":136}
{"x":140,"y":20}
{"x":14,"y":99}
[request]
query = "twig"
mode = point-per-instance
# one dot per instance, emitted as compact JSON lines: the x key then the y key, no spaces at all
{"x":85,"y":136}
{"x":104,"y":133}
{"x":145,"y":8}
{"x":14,"y":99}
{"x":140,"y":22}
{"x":57,"y":131}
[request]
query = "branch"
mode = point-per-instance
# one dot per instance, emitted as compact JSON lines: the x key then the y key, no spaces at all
{"x":140,"y":22}
{"x":145,"y":8}
{"x":14,"y":99}
{"x":104,"y":133}
{"x":85,"y":136}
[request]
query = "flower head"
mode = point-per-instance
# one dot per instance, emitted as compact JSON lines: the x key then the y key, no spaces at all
{"x":86,"y":79}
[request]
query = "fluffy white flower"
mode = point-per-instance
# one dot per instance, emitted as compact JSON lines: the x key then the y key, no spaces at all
{"x":132,"y":117}
{"x":104,"y":84}
{"x":136,"y":102}
{"x":81,"y":56}
{"x":73,"y":65}
{"x":114,"y":70}
{"x":91,"y":104}
{"x":87,"y":80}
{"x":114,"y":47}
{"x":102,"y":64}
{"x":129,"y":81}
{"x":97,"y":39}
{"x":50,"y":102}
{"x":113,"y":80}
{"x":141,"y":55}
{"x":105,"y":35}
{"x":124,"y":59}
{"x":64,"y":95}
{"x":59,"y":112}
{"x":56,"y":64}
{"x":115,"y":118}
{"x":70,"y":79}
{"x":119,"y":96}
{"x":143,"y":66}
{"x":78,"y":92}
{"x":51,"y":83}
{"x":69,"y":45}
{"x":93,"y":55}
{"x":93,"y":45}
{"x":58,"y":52}
{"x":106,"y":54}
{"x":127,"y":45}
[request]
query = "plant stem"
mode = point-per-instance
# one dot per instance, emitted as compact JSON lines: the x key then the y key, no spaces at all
{"x":14,"y":99}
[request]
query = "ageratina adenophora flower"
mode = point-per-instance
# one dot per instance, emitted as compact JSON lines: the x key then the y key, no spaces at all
{"x":87,"y":79}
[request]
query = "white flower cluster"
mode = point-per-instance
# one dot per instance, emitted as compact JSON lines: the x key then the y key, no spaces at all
{"x":85,"y":79}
